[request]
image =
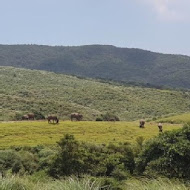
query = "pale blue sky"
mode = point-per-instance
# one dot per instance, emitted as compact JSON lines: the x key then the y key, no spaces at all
{"x":156,"y":25}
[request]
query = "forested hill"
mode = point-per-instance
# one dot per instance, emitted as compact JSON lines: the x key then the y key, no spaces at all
{"x":101,"y":61}
{"x":23,"y":91}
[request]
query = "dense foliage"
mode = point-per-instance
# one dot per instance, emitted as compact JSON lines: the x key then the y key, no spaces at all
{"x":24,"y":91}
{"x":77,"y":159}
{"x":111,"y":165}
{"x":107,"y":117}
{"x":108,"y":62}
{"x":168,"y":155}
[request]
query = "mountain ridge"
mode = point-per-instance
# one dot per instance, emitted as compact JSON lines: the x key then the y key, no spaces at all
{"x":102,"y":61}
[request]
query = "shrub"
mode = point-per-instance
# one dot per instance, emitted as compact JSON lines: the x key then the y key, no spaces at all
{"x":168,"y":155}
{"x":76,"y":158}
{"x":109,"y":117}
{"x":38,"y":115}
{"x":8,"y":160}
{"x":69,"y":159}
{"x":18,"y":116}
{"x":99,"y":119}
{"x":111,"y":183}
{"x":119,"y":174}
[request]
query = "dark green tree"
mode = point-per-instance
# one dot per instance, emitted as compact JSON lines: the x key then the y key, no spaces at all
{"x":69,"y":159}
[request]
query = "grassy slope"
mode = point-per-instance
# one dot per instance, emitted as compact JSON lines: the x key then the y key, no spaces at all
{"x":41,"y":133}
{"x":109,"y":62}
{"x":181,"y":118}
{"x":24,"y":91}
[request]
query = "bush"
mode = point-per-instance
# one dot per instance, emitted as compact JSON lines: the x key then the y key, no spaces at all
{"x":119,"y":174}
{"x":168,"y":155}
{"x":109,"y":117}
{"x":69,"y":159}
{"x":77,"y":159}
{"x":19,"y":161}
{"x":111,"y":183}
{"x":18,"y":116}
{"x":38,"y":115}
{"x":99,"y":119}
{"x":9,"y":159}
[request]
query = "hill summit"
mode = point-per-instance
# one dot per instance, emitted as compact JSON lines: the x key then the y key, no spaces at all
{"x":102,"y":61}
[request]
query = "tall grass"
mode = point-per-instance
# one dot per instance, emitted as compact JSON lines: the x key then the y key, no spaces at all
{"x":75,"y":184}
{"x":17,"y":183}
{"x":155,"y":184}
{"x":72,"y":183}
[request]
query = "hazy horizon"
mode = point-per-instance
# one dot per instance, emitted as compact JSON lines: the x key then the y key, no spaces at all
{"x":154,"y":25}
{"x":98,"y":45}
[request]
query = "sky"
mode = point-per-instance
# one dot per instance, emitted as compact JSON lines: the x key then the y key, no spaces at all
{"x":155,"y":25}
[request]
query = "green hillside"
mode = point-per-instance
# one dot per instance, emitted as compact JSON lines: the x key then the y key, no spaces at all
{"x":23,"y":91}
{"x":181,"y":118}
{"x":97,"y":61}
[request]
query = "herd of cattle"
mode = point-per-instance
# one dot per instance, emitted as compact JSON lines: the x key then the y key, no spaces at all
{"x":142,"y":125}
{"x":77,"y":117}
{"x":53,"y":118}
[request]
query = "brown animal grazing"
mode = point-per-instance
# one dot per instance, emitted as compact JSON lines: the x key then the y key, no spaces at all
{"x":25,"y":117}
{"x":31,"y":116}
{"x":160,"y":127}
{"x":52,"y":118}
{"x":76,"y":116}
{"x":142,"y":123}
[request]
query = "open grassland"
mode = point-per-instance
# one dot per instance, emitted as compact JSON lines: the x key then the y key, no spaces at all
{"x":41,"y":133}
{"x":181,"y":118}
{"x":23,"y":91}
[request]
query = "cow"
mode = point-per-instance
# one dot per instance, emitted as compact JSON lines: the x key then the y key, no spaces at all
{"x":52,"y":118}
{"x":160,"y":127}
{"x":31,"y":116}
{"x":76,"y":116}
{"x":141,"y":123}
{"x":25,"y":117}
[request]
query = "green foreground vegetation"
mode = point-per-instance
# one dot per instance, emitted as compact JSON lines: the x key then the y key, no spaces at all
{"x":30,"y":183}
{"x":33,"y":133}
{"x":100,"y":166}
{"x":101,"y":155}
{"x":27,"y":183}
{"x":155,"y":184}
{"x":24,"y":91}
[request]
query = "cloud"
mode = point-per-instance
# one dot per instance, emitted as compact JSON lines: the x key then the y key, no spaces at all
{"x":170,"y":10}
